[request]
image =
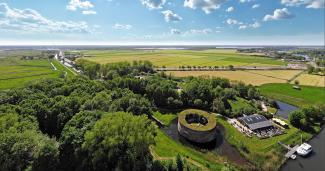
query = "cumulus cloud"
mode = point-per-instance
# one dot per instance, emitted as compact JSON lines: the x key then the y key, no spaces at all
{"x":279,"y":14}
{"x":256,"y":6}
{"x":230,"y":9}
{"x":242,"y":25}
{"x":118,"y":26}
{"x":245,"y":26}
{"x":171,"y":16}
{"x":89,"y":12}
{"x":244,"y":1}
{"x":233,"y":21}
{"x":204,"y":31}
{"x":206,"y":5}
{"x":30,"y":21}
{"x":308,"y":3}
{"x":75,"y":4}
{"x":199,"y":31}
{"x":153,"y":4}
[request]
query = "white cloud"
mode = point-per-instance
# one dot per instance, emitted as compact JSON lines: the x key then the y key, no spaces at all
{"x":242,"y":25}
{"x":204,"y":31}
{"x":30,"y":21}
{"x":89,"y":12}
{"x":308,"y":3}
{"x":233,"y":21}
{"x":118,"y":26}
{"x":256,"y":6}
{"x":170,"y":16}
{"x":153,"y":4}
{"x":230,"y":9}
{"x":206,"y":5}
{"x":279,"y":14}
{"x":175,"y":31}
{"x":255,"y":25}
{"x":199,"y":31}
{"x":75,"y":4}
{"x":244,"y":1}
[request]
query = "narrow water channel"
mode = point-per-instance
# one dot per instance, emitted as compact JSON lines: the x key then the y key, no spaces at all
{"x":315,"y":162}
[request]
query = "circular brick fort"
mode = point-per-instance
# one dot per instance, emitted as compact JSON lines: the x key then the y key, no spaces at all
{"x":197,"y":125}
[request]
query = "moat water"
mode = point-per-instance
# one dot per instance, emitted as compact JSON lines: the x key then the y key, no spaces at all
{"x":285,"y":109}
{"x":219,"y":146}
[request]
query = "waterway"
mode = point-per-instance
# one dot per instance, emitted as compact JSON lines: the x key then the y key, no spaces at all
{"x":314,"y":162}
{"x":285,"y":109}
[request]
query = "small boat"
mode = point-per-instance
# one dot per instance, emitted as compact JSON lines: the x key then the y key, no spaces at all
{"x":293,"y":157}
{"x":304,"y":149}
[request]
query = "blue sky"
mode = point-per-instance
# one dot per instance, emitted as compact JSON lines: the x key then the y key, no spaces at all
{"x":220,"y":22}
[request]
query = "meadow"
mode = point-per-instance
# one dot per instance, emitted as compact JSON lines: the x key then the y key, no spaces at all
{"x":176,"y":58}
{"x":285,"y":92}
{"x":15,"y":72}
{"x":258,"y":77}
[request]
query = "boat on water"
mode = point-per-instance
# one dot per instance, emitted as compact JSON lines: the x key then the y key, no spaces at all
{"x":304,"y":149}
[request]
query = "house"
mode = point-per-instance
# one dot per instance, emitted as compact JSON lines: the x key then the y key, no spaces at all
{"x":255,"y":122}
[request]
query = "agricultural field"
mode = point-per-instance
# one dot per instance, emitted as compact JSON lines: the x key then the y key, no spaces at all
{"x":249,"y":77}
{"x":15,"y":72}
{"x":311,"y":80}
{"x":176,"y":58}
{"x":285,"y":92}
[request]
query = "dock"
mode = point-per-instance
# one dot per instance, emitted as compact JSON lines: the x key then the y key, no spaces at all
{"x":292,"y":150}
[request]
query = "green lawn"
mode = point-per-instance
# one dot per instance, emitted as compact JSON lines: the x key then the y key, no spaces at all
{"x":175,"y":58}
{"x":165,"y":118}
{"x":239,"y":103}
{"x":15,"y":72}
{"x":165,"y":147}
{"x":304,"y":97}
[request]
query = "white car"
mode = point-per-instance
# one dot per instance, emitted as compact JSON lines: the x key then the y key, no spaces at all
{"x":304,"y":149}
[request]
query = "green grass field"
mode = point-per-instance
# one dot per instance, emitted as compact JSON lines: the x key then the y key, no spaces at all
{"x":285,"y":92}
{"x":176,"y":58}
{"x":166,"y":148}
{"x":15,"y":72}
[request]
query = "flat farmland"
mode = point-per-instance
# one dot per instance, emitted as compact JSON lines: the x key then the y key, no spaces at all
{"x":15,"y":72}
{"x":249,"y":77}
{"x":311,"y":80}
{"x":176,"y":58}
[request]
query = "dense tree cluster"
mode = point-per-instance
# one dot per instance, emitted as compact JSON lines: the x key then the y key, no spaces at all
{"x":65,"y":110}
{"x":109,"y":71}
{"x":308,"y":117}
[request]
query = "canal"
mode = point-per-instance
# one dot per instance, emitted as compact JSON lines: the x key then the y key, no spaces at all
{"x":315,"y":162}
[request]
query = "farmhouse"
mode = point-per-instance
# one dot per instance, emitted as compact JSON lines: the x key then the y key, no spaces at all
{"x":261,"y":126}
{"x":255,"y":122}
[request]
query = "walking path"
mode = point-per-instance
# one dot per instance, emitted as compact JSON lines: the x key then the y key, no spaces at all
{"x":54,"y":68}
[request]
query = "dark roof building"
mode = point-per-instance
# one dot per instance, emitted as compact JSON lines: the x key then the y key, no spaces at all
{"x":255,"y":122}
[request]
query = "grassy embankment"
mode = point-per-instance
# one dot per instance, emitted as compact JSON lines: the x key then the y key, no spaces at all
{"x":285,"y":92}
{"x":176,"y":58}
{"x":15,"y":72}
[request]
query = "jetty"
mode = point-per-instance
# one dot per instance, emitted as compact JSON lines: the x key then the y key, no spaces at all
{"x":291,"y":150}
